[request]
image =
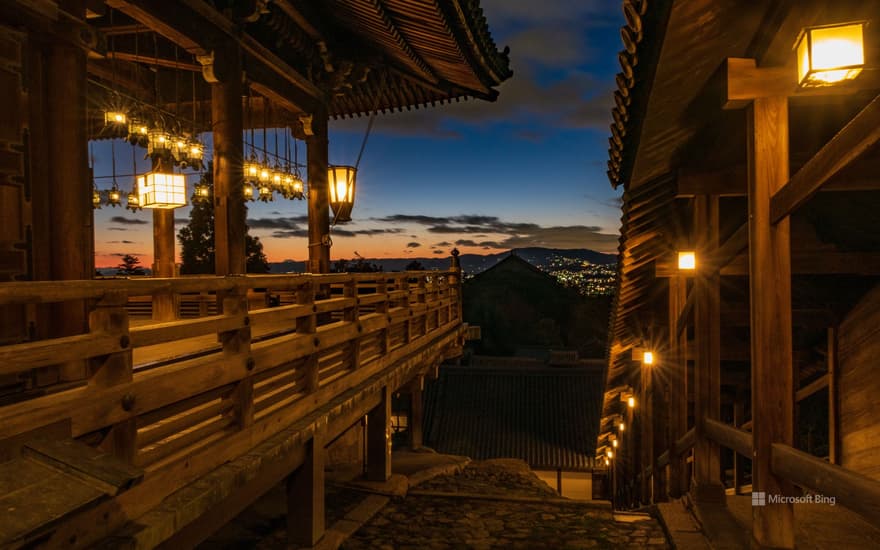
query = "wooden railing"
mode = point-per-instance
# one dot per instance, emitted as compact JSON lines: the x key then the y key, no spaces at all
{"x":179,"y":398}
{"x":852,"y":490}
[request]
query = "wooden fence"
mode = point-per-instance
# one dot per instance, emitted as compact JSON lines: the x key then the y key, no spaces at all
{"x":179,"y":398}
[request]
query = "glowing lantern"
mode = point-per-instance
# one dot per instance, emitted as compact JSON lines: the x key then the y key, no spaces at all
{"x":830,"y":54}
{"x":265,"y":175}
{"x":161,"y":190}
{"x":248,"y":191}
{"x":610,"y":453}
{"x":687,"y":260}
{"x":341,"y":180}
{"x":158,"y":142}
{"x":648,"y":358}
{"x":115,"y":118}
{"x":622,"y":426}
{"x":201,"y":193}
{"x":114,"y":196}
{"x":614,"y":443}
{"x":133,"y":202}
{"x":265,"y":192}
{"x":251,"y":169}
{"x":631,"y":402}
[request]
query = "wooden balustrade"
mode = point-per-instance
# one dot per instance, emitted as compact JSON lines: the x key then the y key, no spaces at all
{"x":272,"y":366}
{"x":737,"y":440}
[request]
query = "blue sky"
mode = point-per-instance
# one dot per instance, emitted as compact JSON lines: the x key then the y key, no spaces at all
{"x":526,"y":170}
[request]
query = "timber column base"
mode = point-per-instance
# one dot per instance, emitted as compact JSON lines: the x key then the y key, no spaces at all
{"x":305,"y":497}
{"x":708,"y":493}
{"x":379,"y":439}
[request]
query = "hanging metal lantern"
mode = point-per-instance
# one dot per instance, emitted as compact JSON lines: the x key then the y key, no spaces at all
{"x":278,"y":179}
{"x":252,"y":169}
{"x":114,"y":196}
{"x":201,"y":193}
{"x":161,"y":190}
{"x":196,"y":154}
{"x":248,"y":191}
{"x":265,"y":192}
{"x":180,"y":150}
{"x":298,"y":187}
{"x":96,"y":198}
{"x":137,"y":132}
{"x":115,"y":118}
{"x":265,"y":174}
{"x":133,"y":202}
{"x":341,"y":180}
{"x":158,"y":142}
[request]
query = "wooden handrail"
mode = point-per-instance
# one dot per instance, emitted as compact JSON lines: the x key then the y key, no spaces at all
{"x":859,"y":493}
{"x":730,"y":437}
{"x":686,"y":442}
{"x":663,"y":459}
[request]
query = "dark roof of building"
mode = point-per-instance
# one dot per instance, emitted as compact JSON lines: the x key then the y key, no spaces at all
{"x":545,"y":416}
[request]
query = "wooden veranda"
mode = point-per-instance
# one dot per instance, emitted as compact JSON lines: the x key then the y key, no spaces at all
{"x":147,"y":412}
{"x":764,"y":356}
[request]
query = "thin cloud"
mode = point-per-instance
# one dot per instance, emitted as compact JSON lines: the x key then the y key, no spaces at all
{"x":121,"y":242}
{"x":289,"y":223}
{"x":413,"y":245}
{"x":439,"y":252}
{"x":127,"y":221}
{"x":117,"y":229}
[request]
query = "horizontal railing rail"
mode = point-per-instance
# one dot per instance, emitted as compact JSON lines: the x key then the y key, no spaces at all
{"x":735,"y":439}
{"x":851,"y":490}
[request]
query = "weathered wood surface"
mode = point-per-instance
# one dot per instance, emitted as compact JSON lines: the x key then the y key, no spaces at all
{"x":728,"y":436}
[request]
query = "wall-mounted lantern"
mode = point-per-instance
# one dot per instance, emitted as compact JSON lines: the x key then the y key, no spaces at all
{"x":830,"y":54}
{"x":687,"y":260}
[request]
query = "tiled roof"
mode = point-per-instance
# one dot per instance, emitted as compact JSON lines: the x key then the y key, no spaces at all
{"x":545,"y":416}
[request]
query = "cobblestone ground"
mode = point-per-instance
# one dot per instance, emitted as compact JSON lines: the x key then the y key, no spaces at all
{"x":437,"y":522}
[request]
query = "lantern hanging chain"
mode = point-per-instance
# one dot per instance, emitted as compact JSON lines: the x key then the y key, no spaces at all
{"x":113,"y":160}
{"x":265,"y":123}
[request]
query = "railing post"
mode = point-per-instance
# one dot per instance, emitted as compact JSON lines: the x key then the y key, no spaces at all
{"x":738,"y":419}
{"x":422,"y":300}
{"x":236,"y":347}
{"x":416,"y":412}
{"x":455,"y":286}
{"x":307,"y":325}
{"x":407,"y":301}
{"x":382,"y":308}
{"x":351,"y":314}
{"x":110,"y":317}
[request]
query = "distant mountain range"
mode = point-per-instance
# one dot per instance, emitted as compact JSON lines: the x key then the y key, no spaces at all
{"x":472,"y":263}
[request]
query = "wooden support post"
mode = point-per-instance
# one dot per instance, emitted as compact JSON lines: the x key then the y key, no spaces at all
{"x":229,"y":208}
{"x":646,"y":427}
{"x":416,"y":415}
{"x":677,"y":369}
{"x":379,"y":439}
{"x":770,"y":297}
{"x":660,"y":420}
{"x":455,"y":285}
{"x":352,"y":315}
{"x":71,"y":233}
{"x":307,"y":325}
{"x":319,"y":195}
{"x":833,"y":404}
{"x":406,"y":302}
{"x":305,"y":495}
{"x":109,"y":316}
{"x":707,"y":367}
{"x":164,"y":304}
{"x":738,"y":419}
{"x":236,"y":348}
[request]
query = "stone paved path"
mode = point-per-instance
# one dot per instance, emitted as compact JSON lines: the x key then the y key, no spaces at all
{"x":437,"y":522}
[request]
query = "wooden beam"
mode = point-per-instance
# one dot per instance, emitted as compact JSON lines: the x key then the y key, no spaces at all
{"x":833,"y":398}
{"x":855,"y":138}
{"x":168,"y":63}
{"x":379,"y":439}
{"x":743,"y":81}
{"x":770,"y":297}
{"x":818,"y":263}
{"x":811,"y":388}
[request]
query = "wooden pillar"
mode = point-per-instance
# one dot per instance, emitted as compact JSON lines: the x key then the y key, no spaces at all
{"x":164,"y":305}
{"x":71,"y":231}
{"x":229,"y":208}
{"x":707,"y":335}
{"x":770,"y":297}
{"x":833,"y":405}
{"x":379,"y":439}
{"x":738,"y":419}
{"x":677,"y":371}
{"x":319,"y":195}
{"x":660,"y":420}
{"x":646,"y":427}
{"x":305,"y":496}
{"x":416,"y":412}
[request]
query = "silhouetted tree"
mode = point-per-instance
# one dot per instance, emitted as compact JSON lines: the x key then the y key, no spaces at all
{"x":197,"y":239}
{"x":359,"y":265}
{"x":414,"y":265}
{"x":131,"y":265}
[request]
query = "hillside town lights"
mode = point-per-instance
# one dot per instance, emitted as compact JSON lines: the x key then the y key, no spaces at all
{"x":342,"y":185}
{"x":830,"y":54}
{"x":161,"y":190}
{"x":687,"y":260}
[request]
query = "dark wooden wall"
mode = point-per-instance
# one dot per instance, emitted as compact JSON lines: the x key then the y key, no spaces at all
{"x":859,"y":360}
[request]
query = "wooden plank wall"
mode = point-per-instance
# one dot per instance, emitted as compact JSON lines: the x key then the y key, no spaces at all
{"x":858,"y":352}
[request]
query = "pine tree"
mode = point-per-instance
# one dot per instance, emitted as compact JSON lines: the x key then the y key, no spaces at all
{"x":197,"y":239}
{"x":131,"y":265}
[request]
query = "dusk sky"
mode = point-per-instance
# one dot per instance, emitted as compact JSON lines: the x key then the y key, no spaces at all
{"x":526,"y":170}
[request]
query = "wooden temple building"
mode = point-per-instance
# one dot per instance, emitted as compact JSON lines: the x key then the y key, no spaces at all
{"x":743,"y":340}
{"x":144,"y":434}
